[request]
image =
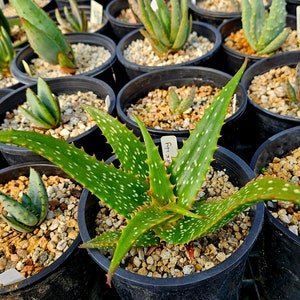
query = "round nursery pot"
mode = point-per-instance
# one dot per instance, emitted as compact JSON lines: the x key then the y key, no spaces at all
{"x":220,"y":282}
{"x":103,"y":72}
{"x":119,"y":28}
{"x":63,"y":279}
{"x":87,"y":11}
{"x":291,"y":6}
{"x":203,"y":29}
{"x":91,"y":140}
{"x":140,"y":86}
{"x":266,"y":123}
{"x":231,"y":59}
{"x":279,"y":257}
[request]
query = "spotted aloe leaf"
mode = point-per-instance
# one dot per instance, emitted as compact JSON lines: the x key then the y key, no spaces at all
{"x":157,"y":201}
{"x":24,"y":216}
{"x":44,"y":36}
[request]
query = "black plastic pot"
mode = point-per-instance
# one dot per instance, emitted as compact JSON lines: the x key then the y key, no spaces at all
{"x":139,"y":87}
{"x":291,"y":6}
{"x":231,"y":59}
{"x":103,"y":72}
{"x":220,"y":282}
{"x":119,"y":28}
{"x":203,"y":29}
{"x":264,"y":122}
{"x":71,"y":276}
{"x":92,"y":140}
{"x":87,"y":11}
{"x":279,"y":257}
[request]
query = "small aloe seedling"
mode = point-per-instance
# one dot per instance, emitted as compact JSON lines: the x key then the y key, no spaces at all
{"x":44,"y":36}
{"x":166,"y":30}
{"x":44,"y":106}
{"x":264,"y":31}
{"x":7,"y":52}
{"x":179,"y":106}
{"x":158,"y":201}
{"x":26,"y":215}
{"x":293,"y":92}
{"x":75,"y":20}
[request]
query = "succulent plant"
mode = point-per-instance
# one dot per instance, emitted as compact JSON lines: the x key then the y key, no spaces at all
{"x":179,"y":106}
{"x":44,"y":36}
{"x":4,"y":22}
{"x":44,"y":106}
{"x":158,"y":201}
{"x":75,"y":21}
{"x":166,"y":29}
{"x":264,"y":31}
{"x":293,"y":92}
{"x":24,"y":216}
{"x":7,"y":52}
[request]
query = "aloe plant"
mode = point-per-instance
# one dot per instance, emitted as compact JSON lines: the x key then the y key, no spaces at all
{"x":293,"y":92}
{"x":7,"y":52}
{"x":264,"y":31}
{"x":75,"y":20}
{"x":44,"y":106}
{"x":179,"y":106}
{"x":24,"y":216}
{"x":166,"y":29}
{"x":44,"y":36}
{"x":158,"y":201}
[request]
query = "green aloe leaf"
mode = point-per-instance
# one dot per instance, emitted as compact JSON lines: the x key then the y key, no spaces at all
{"x":190,"y":166}
{"x":121,"y":191}
{"x":218,"y":213}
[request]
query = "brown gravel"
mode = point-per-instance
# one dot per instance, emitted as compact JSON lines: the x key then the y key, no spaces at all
{"x":167,"y":260}
{"x":154,"y":109}
{"x":269,"y":91}
{"x":141,"y":52}
{"x":29,"y":253}
{"x":288,"y":168}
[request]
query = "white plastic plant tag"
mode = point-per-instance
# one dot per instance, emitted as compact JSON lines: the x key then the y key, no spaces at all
{"x":298,"y":21}
{"x":169,"y":147}
{"x":96,"y":12}
{"x":107,"y":102}
{"x":11,"y":276}
{"x":2,"y":5}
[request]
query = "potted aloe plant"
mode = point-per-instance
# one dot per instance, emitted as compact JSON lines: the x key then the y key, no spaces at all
{"x":84,"y":53}
{"x":46,"y":275}
{"x":168,"y":38}
{"x":259,"y":33}
{"x":55,"y":107}
{"x":158,"y":201}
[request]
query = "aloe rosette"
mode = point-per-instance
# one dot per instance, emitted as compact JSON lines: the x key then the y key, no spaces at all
{"x":264,"y":31}
{"x":166,"y":29}
{"x":24,"y":216}
{"x":44,"y":36}
{"x":158,"y":201}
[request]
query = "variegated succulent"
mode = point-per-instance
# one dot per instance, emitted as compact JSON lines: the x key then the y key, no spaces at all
{"x":24,"y":216}
{"x":178,"y":105}
{"x":158,"y":201}
{"x":74,"y":21}
{"x":44,"y":106}
{"x":293,"y":91}
{"x":166,"y":29}
{"x":264,"y":31}
{"x":44,"y":36}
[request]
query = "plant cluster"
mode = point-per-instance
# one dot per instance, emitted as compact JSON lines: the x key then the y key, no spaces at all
{"x":265,"y":31}
{"x":44,"y":36}
{"x":75,"y":20}
{"x":24,"y":216}
{"x":167,"y":29}
{"x":44,"y":106}
{"x":159,"y":202}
